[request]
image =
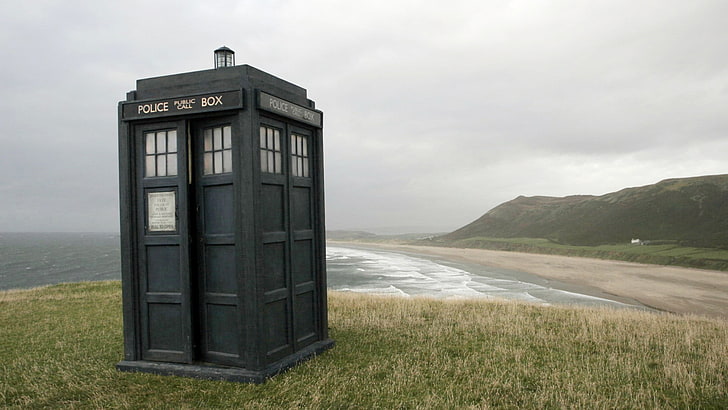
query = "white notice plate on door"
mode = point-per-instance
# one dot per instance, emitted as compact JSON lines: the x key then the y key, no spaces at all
{"x":161,"y":208}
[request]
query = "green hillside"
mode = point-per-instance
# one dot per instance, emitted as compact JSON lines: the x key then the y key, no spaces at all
{"x":686,"y":211}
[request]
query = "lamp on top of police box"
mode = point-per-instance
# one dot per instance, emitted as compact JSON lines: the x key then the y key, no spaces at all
{"x":224,"y":57}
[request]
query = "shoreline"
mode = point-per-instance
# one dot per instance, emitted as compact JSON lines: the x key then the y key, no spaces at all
{"x":663,"y":288}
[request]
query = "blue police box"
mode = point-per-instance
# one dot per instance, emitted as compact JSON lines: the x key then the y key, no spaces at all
{"x":222,"y":224}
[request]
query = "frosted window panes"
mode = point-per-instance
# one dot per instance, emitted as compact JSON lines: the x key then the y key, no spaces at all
{"x":299,"y":156}
{"x":218,"y":154}
{"x":270,"y":150}
{"x":160,"y":152}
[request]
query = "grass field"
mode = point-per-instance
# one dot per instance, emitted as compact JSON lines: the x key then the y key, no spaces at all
{"x":59,"y":345}
{"x":659,"y":253}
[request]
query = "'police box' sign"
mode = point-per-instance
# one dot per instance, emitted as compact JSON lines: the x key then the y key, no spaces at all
{"x":191,"y":104}
{"x":288,"y":109}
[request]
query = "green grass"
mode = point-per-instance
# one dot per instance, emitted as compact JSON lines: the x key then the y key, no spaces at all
{"x":659,"y":254}
{"x":59,"y":345}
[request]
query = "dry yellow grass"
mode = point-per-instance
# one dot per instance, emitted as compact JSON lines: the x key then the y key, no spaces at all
{"x":59,"y":346}
{"x":506,"y":353}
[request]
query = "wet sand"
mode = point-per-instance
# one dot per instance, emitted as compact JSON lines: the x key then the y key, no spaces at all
{"x":667,"y":288}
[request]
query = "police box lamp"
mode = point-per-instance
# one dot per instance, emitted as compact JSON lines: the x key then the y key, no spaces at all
{"x":224,"y":57}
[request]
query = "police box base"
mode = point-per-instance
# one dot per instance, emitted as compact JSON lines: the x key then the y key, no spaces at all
{"x":215,"y":372}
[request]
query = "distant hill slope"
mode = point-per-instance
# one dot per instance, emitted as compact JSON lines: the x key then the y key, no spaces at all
{"x":691,"y":211}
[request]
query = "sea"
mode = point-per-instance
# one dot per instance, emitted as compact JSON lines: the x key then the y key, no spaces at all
{"x":30,"y":260}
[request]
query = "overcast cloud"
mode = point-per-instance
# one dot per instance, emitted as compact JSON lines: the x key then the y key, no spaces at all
{"x":434,"y":112}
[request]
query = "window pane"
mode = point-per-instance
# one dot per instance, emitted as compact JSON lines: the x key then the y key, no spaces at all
{"x":208,"y":163}
{"x":277,"y":140}
{"x":271,"y":162}
{"x":263,"y":161}
{"x":217,"y":138}
{"x":161,"y":142}
{"x":227,"y":161}
{"x":278,"y":163}
{"x":208,"y":139}
{"x":305,"y":167}
{"x":172,"y":141}
{"x":269,"y":145}
{"x":227,"y":140}
{"x":172,"y":164}
{"x":150,"y":166}
{"x":262,"y":137}
{"x":218,"y":162}
{"x":305,"y":147}
{"x":161,"y":165}
{"x":150,"y":143}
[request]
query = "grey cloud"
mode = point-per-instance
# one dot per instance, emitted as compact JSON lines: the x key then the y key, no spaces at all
{"x":433,"y":114}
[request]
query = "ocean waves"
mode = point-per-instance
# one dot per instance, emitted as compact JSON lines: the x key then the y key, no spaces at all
{"x":29,"y":260}
{"x":388,"y":273}
{"x":35,"y":259}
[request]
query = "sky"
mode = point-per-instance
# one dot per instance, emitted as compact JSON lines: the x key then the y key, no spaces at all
{"x":434,"y":112}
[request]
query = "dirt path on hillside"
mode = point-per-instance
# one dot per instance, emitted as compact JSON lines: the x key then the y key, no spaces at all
{"x":672,"y":289}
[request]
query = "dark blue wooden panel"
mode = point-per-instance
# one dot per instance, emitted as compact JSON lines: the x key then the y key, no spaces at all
{"x":271,"y":207}
{"x":305,"y":325}
{"x":220,"y":270}
{"x":274,"y":259}
{"x":277,"y":340}
{"x":219,"y":216}
{"x":163,"y":268}
{"x":222,"y":329}
{"x":165,"y":327}
{"x":302,"y":256}
{"x":301,"y":208}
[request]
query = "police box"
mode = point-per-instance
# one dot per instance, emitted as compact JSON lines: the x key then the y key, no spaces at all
{"x":222,"y":224}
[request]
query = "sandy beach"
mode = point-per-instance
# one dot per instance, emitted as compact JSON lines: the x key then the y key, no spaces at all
{"x":671,"y":289}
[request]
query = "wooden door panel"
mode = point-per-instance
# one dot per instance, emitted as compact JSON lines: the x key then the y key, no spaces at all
{"x":165,"y":322}
{"x":216,"y":275}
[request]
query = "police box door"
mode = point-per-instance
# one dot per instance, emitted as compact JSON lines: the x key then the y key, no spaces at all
{"x":287,"y":213}
{"x":188,"y":283}
{"x":163,"y":230}
{"x":219,"y":323}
